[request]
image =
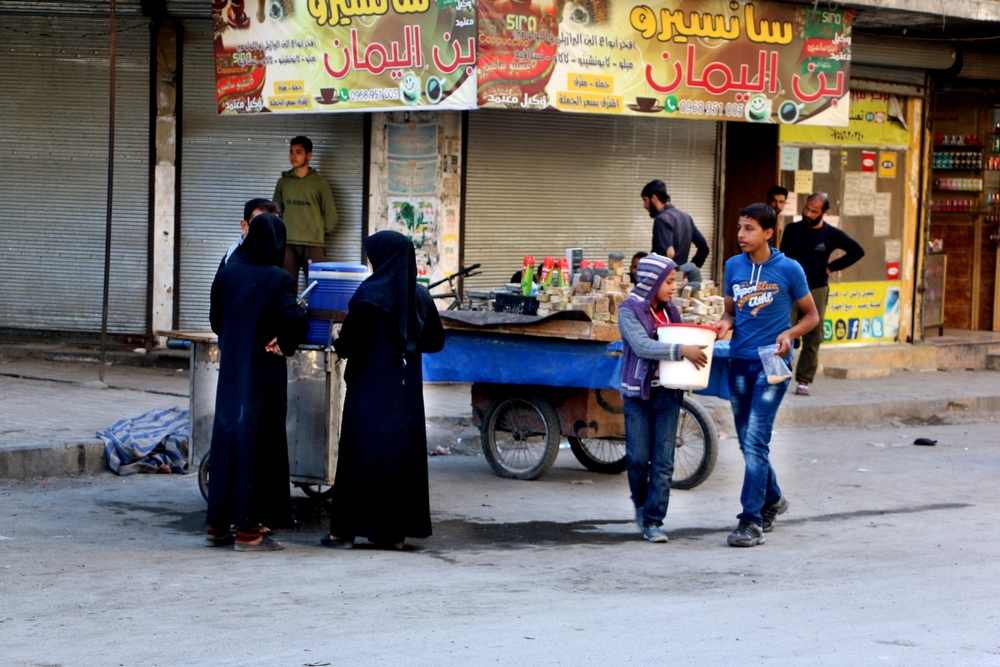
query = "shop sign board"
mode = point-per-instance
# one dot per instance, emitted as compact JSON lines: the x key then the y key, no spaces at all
{"x":863,"y":312}
{"x":871,"y":124}
{"x":704,"y":59}
{"x":284,"y":56}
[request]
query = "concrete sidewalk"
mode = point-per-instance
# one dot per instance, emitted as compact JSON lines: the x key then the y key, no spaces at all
{"x":50,"y":410}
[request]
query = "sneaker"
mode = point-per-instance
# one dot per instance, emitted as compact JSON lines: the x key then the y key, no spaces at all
{"x":748,"y":534}
{"x":654,"y":534}
{"x":638,"y":519}
{"x":265,"y":544}
{"x":802,"y":389}
{"x":771,"y":512}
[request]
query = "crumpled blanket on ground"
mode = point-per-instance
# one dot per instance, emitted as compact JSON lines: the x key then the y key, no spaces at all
{"x":155,"y":442}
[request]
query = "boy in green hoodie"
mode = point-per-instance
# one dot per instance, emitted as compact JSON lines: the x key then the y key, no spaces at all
{"x":307,"y":209}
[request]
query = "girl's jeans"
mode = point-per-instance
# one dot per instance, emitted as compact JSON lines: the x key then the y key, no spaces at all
{"x":755,"y":404}
{"x":650,"y":432}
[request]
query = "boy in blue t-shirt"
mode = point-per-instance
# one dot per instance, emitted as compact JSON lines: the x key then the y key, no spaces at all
{"x":761,"y":286}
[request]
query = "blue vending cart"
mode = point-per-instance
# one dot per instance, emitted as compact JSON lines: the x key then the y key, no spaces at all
{"x":535,"y":380}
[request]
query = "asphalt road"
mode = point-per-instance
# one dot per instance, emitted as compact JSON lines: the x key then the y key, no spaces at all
{"x":888,"y":556}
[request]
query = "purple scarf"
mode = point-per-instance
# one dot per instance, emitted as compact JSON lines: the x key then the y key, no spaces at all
{"x":652,"y":271}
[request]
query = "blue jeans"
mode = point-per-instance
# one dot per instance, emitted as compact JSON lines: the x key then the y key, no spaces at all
{"x":755,"y":404}
{"x":650,"y":434}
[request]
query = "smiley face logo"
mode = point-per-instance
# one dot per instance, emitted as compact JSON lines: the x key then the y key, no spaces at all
{"x":409,"y":88}
{"x":758,"y":109}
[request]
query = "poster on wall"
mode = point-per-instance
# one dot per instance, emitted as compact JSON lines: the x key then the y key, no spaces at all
{"x":285,"y":56}
{"x":711,"y":59}
{"x":417,"y":218}
{"x":875,"y":120}
{"x":864,"y":312}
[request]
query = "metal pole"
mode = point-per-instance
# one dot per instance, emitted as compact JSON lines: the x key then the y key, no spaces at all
{"x":111,"y":184}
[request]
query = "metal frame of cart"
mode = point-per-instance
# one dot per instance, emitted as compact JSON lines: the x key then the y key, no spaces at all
{"x":536,"y":380}
{"x":315,"y":404}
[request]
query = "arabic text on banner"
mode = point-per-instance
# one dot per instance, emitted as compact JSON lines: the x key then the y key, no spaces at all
{"x":711,"y":59}
{"x":284,"y":56}
{"x":862,"y":312}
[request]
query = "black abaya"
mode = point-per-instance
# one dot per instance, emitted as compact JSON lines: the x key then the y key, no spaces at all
{"x":253,"y":301}
{"x":381,"y":490}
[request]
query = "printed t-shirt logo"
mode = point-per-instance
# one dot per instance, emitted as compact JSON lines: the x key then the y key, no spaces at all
{"x":821,"y":247}
{"x":755,"y":296}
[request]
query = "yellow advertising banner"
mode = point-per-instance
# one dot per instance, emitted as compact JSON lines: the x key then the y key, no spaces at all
{"x":871,"y":125}
{"x":756,"y":61}
{"x":283,"y":56}
{"x":866,"y":312}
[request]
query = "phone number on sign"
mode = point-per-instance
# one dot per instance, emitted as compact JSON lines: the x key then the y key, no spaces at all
{"x":732,"y":109}
{"x":373,"y":94}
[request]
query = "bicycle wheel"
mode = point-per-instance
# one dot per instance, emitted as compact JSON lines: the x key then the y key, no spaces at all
{"x":203,"y":476}
{"x":520,"y":437}
{"x":604,"y":455}
{"x":697,"y":446}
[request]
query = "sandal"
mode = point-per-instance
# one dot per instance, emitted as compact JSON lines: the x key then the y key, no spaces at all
{"x":802,"y":389}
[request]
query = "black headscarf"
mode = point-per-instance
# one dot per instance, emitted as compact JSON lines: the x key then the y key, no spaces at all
{"x":265,"y":242}
{"x":392,"y":287}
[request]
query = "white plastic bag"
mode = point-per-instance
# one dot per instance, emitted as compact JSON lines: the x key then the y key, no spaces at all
{"x":774,"y":366}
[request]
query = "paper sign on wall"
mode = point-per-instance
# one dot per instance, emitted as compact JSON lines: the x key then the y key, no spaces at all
{"x":821,"y":161}
{"x":789,"y":158}
{"x":832,"y":220}
{"x":867,"y":184}
{"x":887,"y":164}
{"x":893,"y":250}
{"x":868,"y":161}
{"x":791,"y":204}
{"x":803,"y":180}
{"x":882,"y":205}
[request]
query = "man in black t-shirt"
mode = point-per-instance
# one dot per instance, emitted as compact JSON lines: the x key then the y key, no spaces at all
{"x":810,"y":242}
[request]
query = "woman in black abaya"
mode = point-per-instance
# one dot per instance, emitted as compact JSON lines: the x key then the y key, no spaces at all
{"x":380,"y":491}
{"x":258,"y":322}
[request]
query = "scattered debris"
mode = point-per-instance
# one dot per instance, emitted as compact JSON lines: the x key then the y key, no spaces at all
{"x":722,"y":435}
{"x":877,"y":444}
{"x":927,"y":442}
{"x":582,"y":481}
{"x":318,"y":663}
{"x":862,"y":469}
{"x":438,"y":451}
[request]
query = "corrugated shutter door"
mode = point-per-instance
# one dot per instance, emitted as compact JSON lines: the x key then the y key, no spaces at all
{"x":226,"y":160}
{"x":54,"y":171}
{"x":539,"y":183}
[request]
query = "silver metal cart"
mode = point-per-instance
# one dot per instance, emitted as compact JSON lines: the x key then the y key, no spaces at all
{"x":315,"y":405}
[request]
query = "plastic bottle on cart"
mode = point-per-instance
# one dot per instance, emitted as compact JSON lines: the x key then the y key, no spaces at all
{"x":527,"y":275}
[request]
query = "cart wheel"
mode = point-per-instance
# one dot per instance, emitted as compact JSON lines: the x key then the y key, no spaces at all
{"x":605,"y":455}
{"x":203,"y":476}
{"x":697,"y":446}
{"x":520,"y":437}
{"x":315,"y":491}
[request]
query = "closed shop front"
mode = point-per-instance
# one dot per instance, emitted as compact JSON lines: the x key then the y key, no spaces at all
{"x":226,"y":160}
{"x":54,"y":164}
{"x":538,"y":183}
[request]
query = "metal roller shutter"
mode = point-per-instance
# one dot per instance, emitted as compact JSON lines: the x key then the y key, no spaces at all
{"x":226,"y":160}
{"x":540,"y":183}
{"x":54,"y":166}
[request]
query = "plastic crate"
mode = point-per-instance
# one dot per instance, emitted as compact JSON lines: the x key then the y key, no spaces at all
{"x":515,"y":304}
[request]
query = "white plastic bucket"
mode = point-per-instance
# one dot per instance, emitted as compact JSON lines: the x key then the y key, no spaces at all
{"x":682,"y":374}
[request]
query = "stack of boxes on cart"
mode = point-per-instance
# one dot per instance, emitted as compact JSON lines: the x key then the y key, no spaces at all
{"x":597,"y":291}
{"x":699,"y":303}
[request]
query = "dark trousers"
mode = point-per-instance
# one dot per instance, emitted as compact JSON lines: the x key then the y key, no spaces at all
{"x":809,"y":353}
{"x":299,"y":256}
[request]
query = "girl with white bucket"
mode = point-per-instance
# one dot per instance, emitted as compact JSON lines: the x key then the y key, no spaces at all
{"x":651,"y":410}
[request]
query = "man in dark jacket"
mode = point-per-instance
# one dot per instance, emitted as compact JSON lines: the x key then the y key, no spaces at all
{"x":673,"y":230}
{"x":258,"y":322}
{"x":810,"y":242}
